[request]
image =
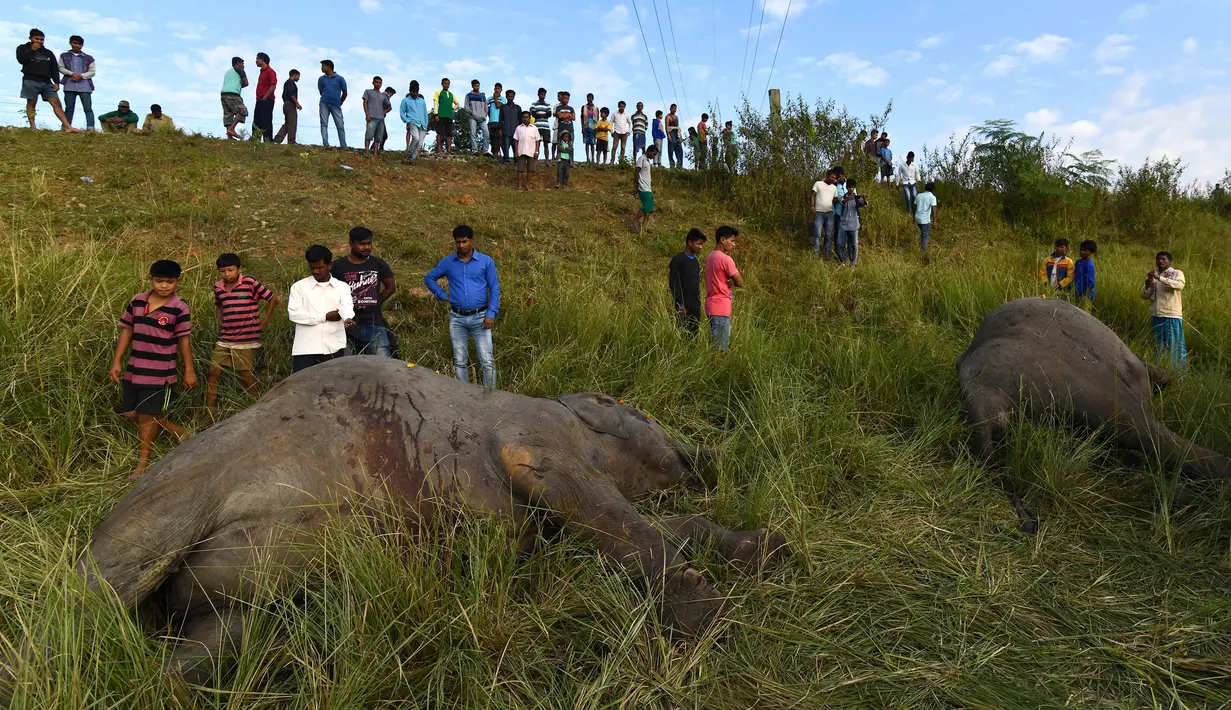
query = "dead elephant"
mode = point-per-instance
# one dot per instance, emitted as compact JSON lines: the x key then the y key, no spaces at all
{"x":370,"y":428}
{"x":1047,"y":355}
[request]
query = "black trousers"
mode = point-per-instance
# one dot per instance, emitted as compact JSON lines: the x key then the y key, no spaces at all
{"x":303,"y":362}
{"x":263,"y":118}
{"x":690,"y":319}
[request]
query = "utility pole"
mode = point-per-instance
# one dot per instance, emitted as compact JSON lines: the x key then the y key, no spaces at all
{"x":775,"y":102}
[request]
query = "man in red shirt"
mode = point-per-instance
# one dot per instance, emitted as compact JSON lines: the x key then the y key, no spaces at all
{"x":266,"y":87}
{"x":720,"y":277}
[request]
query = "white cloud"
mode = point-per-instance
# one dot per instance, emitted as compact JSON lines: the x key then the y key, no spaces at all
{"x":778,"y":8}
{"x":616,"y":19}
{"x":853,"y":70}
{"x":904,"y":56}
{"x":93,"y":22}
{"x":1114,"y":47}
{"x":1129,"y":95}
{"x":187,"y":31}
{"x":1189,"y":46}
{"x":1037,"y":121}
{"x":1136,"y":12}
{"x":1001,"y":65}
{"x":933,"y":42}
{"x":1044,"y":48}
{"x":370,"y":6}
{"x":464,"y":67}
{"x":448,"y":39}
{"x":1110,"y":70}
{"x":588,"y":77}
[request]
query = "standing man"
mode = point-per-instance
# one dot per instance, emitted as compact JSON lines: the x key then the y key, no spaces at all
{"x":684,"y":277}
{"x":371,"y":284}
{"x":540,"y":111}
{"x":658,"y":135}
{"x":589,"y":127}
{"x":332,"y":88}
{"x":389,"y":92}
{"x":266,"y":89}
{"x":526,"y":137}
{"x":290,"y":109}
{"x":413,"y":112}
{"x":703,"y":141}
{"x":375,"y":106}
{"x":494,"y":133}
{"x":444,"y":103}
{"x":476,"y":108}
{"x":320,"y":307}
{"x":474,"y":302}
{"x":510,"y":119}
{"x":729,"y":149}
{"x":641,"y":123}
{"x":1163,"y":289}
{"x":926,"y":215}
{"x":675,"y":139}
{"x":621,"y":126}
{"x":78,"y":69}
{"x":233,"y":109}
{"x":644,"y":191}
{"x":720,"y":277}
{"x":821,"y":200}
{"x":40,"y":76}
{"x":565,"y":116}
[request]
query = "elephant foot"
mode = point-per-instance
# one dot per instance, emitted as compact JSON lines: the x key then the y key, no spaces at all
{"x":690,"y":604}
{"x":1029,"y":526}
{"x":751,"y":551}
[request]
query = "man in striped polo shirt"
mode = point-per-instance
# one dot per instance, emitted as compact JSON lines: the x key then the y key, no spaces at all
{"x":156,"y":324}
{"x":237,"y":305}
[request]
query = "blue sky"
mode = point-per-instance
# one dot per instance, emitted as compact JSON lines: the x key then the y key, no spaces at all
{"x":1134,"y":79}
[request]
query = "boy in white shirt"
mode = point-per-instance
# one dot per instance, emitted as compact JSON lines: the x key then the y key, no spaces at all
{"x":321,"y":308}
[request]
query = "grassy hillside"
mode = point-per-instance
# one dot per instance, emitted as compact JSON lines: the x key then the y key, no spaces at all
{"x":836,"y":419}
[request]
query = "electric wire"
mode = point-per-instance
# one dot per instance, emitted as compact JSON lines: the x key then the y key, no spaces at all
{"x":666,"y":57}
{"x":648,"y":56}
{"x":785,"y":17}
{"x":752,"y":70}
{"x":679,"y":68}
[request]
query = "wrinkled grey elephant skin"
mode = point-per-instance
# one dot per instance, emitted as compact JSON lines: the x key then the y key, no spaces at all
{"x":1044,"y":355}
{"x":363,"y":431}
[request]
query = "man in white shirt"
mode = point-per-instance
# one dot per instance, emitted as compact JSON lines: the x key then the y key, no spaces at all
{"x":908,"y":177}
{"x":621,"y":126}
{"x":645,"y":193}
{"x":321,"y":308}
{"x":1163,"y":289}
{"x":821,"y":200}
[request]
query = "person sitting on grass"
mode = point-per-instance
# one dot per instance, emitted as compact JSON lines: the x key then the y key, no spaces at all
{"x":1057,"y":270}
{"x":121,"y":120}
{"x":155,"y":324}
{"x":526,"y":141}
{"x":156,"y":120}
{"x":237,"y":306}
{"x":564,"y":154}
{"x":1083,"y":273}
{"x":642,"y":186}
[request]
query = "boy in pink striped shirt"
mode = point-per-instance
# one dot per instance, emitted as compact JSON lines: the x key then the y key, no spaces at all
{"x":155,"y":324}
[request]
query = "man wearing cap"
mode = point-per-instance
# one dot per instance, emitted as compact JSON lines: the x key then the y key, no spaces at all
{"x":474,"y":301}
{"x":156,"y":120}
{"x":122,"y":120}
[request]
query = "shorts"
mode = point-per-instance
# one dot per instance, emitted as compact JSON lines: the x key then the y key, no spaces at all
{"x":602,"y":145}
{"x":444,"y":126}
{"x":647,"y":202}
{"x":145,"y":399}
{"x":545,"y":135}
{"x":238,"y":359}
{"x":375,"y":130}
{"x":32,"y":89}
{"x":587,"y":136}
{"x":233,"y":109}
{"x":525,"y":164}
{"x":886,"y":170}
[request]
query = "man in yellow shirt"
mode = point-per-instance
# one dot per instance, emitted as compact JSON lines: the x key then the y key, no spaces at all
{"x":156,"y":120}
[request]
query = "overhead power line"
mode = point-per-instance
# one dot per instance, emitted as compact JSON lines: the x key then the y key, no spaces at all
{"x":666,"y":57}
{"x":785,"y":17}
{"x":752,"y":8}
{"x":752,"y":70}
{"x":649,"y":56}
{"x":679,"y":68}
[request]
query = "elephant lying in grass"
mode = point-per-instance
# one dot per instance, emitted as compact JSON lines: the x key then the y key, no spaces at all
{"x":1045,"y":355}
{"x":359,"y":432}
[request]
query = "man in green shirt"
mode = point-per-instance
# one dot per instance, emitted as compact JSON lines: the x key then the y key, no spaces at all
{"x":444,"y":103}
{"x":122,"y":120}
{"x":233,"y":109}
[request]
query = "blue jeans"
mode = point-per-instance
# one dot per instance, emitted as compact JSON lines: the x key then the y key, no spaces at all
{"x":369,"y":339}
{"x":414,"y":145}
{"x":675,"y":153}
{"x":925,"y":231}
{"x":720,"y":332}
{"x":823,"y":228}
{"x":478,"y":134}
{"x":910,"y":192}
{"x":638,"y":144}
{"x":461,"y":330}
{"x":336,"y":112}
{"x":87,"y":105}
{"x":848,"y":246}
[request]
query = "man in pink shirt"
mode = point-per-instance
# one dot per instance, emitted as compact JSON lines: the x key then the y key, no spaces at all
{"x":720,"y":277}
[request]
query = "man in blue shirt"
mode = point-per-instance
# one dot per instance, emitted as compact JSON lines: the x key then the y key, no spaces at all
{"x":474,"y":301}
{"x":333,"y":94}
{"x":414,"y":114}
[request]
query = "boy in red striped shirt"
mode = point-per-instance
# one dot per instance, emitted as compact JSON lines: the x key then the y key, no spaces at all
{"x":156,"y":325}
{"x":237,"y":303}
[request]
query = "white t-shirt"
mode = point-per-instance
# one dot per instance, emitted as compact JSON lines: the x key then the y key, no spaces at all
{"x":622,"y":123}
{"x":909,"y":174}
{"x":527,"y":138}
{"x":824,"y":195}
{"x":643,"y":173}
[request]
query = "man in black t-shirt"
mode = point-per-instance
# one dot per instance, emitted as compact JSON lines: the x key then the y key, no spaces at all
{"x":684,"y":275}
{"x":371,"y":284}
{"x":290,"y":109}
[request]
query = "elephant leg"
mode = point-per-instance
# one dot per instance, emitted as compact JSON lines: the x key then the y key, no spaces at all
{"x":209,"y":643}
{"x":589,"y":506}
{"x":991,"y":413}
{"x":746,"y":550}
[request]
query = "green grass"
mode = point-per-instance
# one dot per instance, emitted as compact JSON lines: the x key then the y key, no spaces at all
{"x":836,"y":420}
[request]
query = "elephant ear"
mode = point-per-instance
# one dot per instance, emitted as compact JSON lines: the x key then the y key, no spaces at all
{"x":598,"y":412}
